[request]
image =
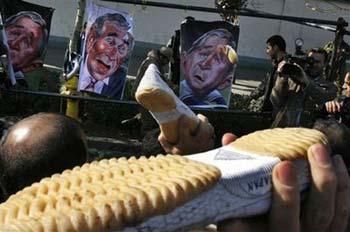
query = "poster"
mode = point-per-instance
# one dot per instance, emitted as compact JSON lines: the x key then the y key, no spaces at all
{"x":27,"y":29}
{"x":4,"y":50}
{"x":108,"y":44}
{"x":206,"y":69}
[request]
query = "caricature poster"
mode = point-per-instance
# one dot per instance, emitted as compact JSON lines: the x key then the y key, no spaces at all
{"x":108,"y":44}
{"x":208,"y":61}
{"x":27,"y":28}
{"x":4,"y":50}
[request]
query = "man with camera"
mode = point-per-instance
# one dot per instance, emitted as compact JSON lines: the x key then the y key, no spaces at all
{"x":341,"y":105}
{"x":260,"y":97}
{"x":297,"y":93}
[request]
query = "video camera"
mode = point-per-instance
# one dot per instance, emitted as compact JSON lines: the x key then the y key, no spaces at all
{"x":291,"y":69}
{"x":302,"y":61}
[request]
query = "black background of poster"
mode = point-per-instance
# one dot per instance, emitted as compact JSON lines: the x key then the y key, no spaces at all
{"x":11,"y":7}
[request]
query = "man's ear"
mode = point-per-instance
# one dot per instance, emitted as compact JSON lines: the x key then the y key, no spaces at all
{"x":276,"y":48}
{"x":225,"y":82}
{"x":90,"y":40}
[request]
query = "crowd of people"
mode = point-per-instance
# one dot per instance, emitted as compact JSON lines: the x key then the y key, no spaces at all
{"x":293,"y":94}
{"x":36,"y":147}
{"x":47,"y":143}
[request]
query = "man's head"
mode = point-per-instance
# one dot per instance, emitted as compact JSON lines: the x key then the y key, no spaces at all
{"x":320,"y":57}
{"x":338,"y":136}
{"x":275,"y":45}
{"x":40,"y":146}
{"x":108,"y":44}
{"x":346,"y":85}
{"x":27,"y":37}
{"x":205,"y":65}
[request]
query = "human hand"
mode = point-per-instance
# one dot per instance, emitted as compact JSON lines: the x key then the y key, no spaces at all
{"x":228,"y":138}
{"x":296,"y":73}
{"x":333,"y":106}
{"x":190,"y":142}
{"x":326,"y":208}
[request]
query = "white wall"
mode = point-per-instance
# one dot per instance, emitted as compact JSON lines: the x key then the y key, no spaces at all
{"x":155,"y":25}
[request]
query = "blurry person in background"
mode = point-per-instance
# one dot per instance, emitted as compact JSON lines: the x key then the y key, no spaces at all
{"x":260,"y":97}
{"x":340,"y":106}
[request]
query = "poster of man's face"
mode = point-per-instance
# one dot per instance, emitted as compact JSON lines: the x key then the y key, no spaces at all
{"x":208,"y":60}
{"x":108,"y":44}
{"x":4,"y":50}
{"x":27,"y":37}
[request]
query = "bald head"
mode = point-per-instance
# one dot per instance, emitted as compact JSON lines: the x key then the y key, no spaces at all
{"x":39,"y":146}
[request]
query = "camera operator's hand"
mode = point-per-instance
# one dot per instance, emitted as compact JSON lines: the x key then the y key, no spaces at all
{"x":334,"y":106}
{"x":298,"y":75}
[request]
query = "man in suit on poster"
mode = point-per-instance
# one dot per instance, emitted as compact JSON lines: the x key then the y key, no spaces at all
{"x":207,"y":68}
{"x":107,"y":46}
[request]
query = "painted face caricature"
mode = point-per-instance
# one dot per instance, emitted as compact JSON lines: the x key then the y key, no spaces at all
{"x":26,"y":38}
{"x":207,"y":67}
{"x":107,"y":48}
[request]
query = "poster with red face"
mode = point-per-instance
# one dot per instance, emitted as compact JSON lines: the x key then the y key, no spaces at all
{"x":4,"y":50}
{"x":207,"y":63}
{"x":108,"y":44}
{"x":27,"y":28}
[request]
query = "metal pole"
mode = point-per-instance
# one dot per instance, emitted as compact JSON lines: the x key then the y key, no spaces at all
{"x":71,"y":97}
{"x":242,"y":12}
{"x":119,"y":102}
{"x":72,"y":83}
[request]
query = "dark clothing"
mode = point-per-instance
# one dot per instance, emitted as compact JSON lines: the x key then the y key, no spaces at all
{"x":148,"y":122}
{"x":270,"y":81}
{"x":295,"y":104}
{"x":115,"y":87}
{"x":345,"y":112}
{"x":264,"y":89}
{"x":193,"y":101}
{"x":212,"y":100}
{"x":42,"y":79}
{"x":141,"y":71}
{"x":174,"y":44}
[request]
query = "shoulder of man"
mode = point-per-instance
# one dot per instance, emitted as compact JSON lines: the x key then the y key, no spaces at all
{"x":40,"y":79}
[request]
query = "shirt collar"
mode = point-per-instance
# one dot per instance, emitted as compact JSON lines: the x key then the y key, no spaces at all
{"x":87,"y":78}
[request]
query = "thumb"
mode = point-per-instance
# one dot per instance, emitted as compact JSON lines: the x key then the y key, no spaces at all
{"x":285,"y":195}
{"x":228,"y":138}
